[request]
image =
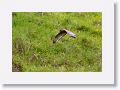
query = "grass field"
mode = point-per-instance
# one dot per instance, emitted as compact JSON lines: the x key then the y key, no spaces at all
{"x":33,"y":49}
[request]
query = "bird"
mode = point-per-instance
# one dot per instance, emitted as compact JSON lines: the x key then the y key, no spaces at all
{"x":62,"y":33}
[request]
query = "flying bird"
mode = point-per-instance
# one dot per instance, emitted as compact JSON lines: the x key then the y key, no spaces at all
{"x":62,"y":33}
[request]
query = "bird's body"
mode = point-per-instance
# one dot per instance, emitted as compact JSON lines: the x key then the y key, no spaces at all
{"x":71,"y":34}
{"x":62,"y":33}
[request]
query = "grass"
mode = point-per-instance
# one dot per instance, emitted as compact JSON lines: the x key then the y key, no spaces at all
{"x":33,"y":49}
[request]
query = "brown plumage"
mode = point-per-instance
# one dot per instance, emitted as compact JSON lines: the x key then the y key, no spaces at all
{"x":62,"y":33}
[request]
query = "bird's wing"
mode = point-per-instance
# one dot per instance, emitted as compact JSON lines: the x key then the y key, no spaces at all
{"x":59,"y":36}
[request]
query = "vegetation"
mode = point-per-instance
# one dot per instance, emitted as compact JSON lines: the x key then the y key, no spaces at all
{"x":33,"y":49}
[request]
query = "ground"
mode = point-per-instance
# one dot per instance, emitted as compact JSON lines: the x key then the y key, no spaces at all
{"x":32,"y":42}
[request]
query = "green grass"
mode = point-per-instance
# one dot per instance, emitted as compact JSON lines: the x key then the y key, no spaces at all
{"x":33,"y":49}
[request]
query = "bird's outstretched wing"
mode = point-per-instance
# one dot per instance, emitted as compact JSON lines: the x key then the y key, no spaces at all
{"x":62,"y":33}
{"x":59,"y":36}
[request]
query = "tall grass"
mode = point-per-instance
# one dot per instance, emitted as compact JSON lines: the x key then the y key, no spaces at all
{"x":33,"y":50}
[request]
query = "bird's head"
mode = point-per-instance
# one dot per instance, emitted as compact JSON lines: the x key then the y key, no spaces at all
{"x":74,"y":36}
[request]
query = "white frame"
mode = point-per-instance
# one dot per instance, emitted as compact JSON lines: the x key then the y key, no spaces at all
{"x":104,"y":77}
